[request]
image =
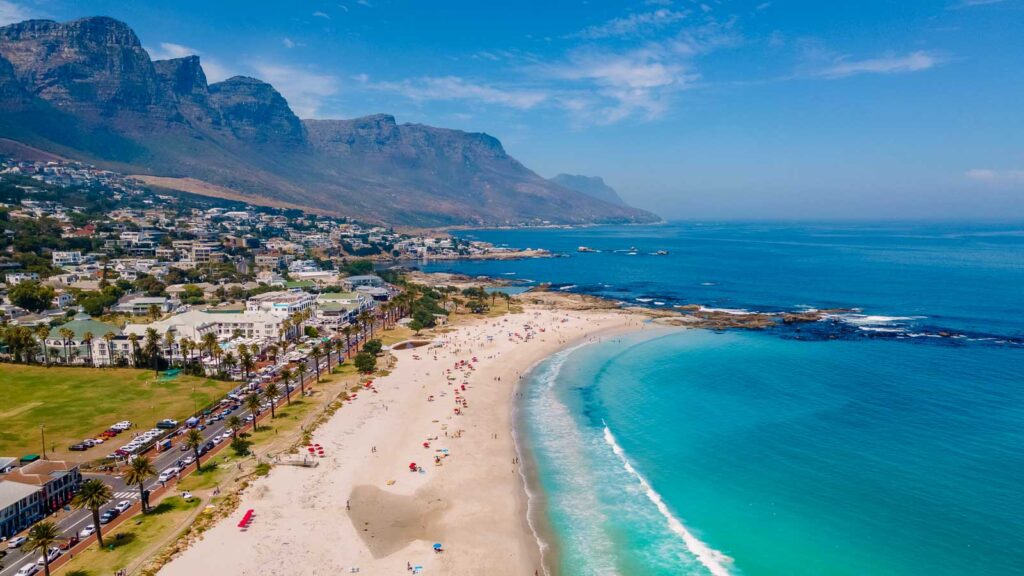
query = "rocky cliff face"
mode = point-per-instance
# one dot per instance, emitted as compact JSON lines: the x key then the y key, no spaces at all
{"x":593,"y":186}
{"x":86,"y":89}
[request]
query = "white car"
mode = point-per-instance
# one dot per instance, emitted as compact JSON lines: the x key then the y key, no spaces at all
{"x":188,"y":460}
{"x":16,"y":542}
{"x":87,"y":531}
{"x":27,"y":570}
{"x":123,"y":505}
{"x":168,"y":474}
{"x":51,"y":555}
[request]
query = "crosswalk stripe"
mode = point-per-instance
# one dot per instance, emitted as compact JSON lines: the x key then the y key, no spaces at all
{"x":124,"y":495}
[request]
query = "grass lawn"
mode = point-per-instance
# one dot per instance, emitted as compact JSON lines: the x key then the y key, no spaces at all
{"x":77,"y":403}
{"x":138,"y":535}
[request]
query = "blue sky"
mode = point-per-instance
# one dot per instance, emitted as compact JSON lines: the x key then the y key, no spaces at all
{"x":714,"y":109}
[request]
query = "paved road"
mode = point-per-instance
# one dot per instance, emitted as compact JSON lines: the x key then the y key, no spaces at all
{"x":72,"y":522}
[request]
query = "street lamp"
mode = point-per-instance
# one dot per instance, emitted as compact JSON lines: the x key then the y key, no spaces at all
{"x":42,"y":434}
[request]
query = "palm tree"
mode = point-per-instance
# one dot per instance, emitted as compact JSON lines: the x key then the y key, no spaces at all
{"x":316,"y":353}
{"x":88,"y":337}
{"x":66,"y":336}
{"x":270,"y":393}
{"x":185,"y":347}
{"x":93,"y":494}
{"x":154,"y":311}
{"x":194,"y":440}
{"x":42,"y":331}
{"x":272,"y":351}
{"x":347,"y":331}
{"x":235,"y":423}
{"x":365,"y":319}
{"x":108,"y":338}
{"x":134,"y":339}
{"x":169,"y":343}
{"x":252,"y":402}
{"x":302,"y":368}
{"x":230,"y":361}
{"x":286,"y":375}
{"x":209,"y":343}
{"x":140,"y":470}
{"x":152,"y":348}
{"x":246,"y":361}
{"x":41,"y":538}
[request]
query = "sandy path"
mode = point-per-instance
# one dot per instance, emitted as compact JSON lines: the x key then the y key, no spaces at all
{"x":473,"y":503}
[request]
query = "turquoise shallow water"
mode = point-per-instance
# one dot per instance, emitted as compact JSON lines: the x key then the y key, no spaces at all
{"x":889,"y":441}
{"x":787,"y":457}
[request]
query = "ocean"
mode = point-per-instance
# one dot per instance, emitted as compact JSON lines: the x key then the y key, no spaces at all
{"x":888,"y":440}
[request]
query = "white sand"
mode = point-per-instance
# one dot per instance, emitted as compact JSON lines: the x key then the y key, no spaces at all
{"x":474,"y":503}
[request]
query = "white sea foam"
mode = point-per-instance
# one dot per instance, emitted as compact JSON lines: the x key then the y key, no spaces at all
{"x":569,"y":287}
{"x":645,"y":300}
{"x":737,"y":311}
{"x":715,"y":561}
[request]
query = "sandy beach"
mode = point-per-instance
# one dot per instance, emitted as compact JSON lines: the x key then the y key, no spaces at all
{"x":363,"y":509}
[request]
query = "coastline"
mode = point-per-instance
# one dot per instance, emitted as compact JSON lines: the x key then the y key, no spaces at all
{"x":395,"y":515}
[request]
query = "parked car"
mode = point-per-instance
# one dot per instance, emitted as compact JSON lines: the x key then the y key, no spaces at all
{"x":109,"y":516}
{"x":51,"y":555}
{"x":167,"y":424}
{"x":78,"y":447}
{"x":168,"y":474}
{"x":123,"y":505}
{"x":16,"y":542}
{"x":69,"y":543}
{"x":87,"y":531}
{"x":27,"y":570}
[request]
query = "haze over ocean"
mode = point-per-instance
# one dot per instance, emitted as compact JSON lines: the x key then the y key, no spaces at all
{"x":885,"y":442}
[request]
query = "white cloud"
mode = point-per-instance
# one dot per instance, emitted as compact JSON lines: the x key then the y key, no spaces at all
{"x":454,"y":88}
{"x":305,"y":91}
{"x":320,"y":14}
{"x":288,"y":42}
{"x":11,"y":13}
{"x":215,"y":71}
{"x":891,"y":64}
{"x":990,"y":176}
{"x":632,"y":25}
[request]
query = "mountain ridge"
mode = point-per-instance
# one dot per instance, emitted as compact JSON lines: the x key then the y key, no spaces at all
{"x":87,"y":90}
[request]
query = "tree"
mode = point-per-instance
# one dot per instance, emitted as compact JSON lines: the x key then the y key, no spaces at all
{"x":140,"y":470}
{"x":41,"y":538}
{"x":194,"y":440}
{"x":134,"y":339}
{"x":252,"y":402}
{"x":87,"y":338}
{"x":109,"y":338}
{"x":169,"y":343}
{"x":92,"y":495}
{"x":42,"y":331}
{"x":154,"y":311}
{"x":66,"y":337}
{"x":316,"y":352}
{"x":415,"y":325}
{"x":235,"y":423}
{"x":286,"y":375}
{"x":245,"y":359}
{"x":270,"y":394}
{"x":365,"y":363}
{"x":31,"y":295}
{"x":373,"y":347}
{"x":302,"y":368}
{"x":152,"y":348}
{"x":347,"y":331}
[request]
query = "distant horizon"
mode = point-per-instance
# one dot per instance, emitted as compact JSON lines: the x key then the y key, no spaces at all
{"x":733,"y":110}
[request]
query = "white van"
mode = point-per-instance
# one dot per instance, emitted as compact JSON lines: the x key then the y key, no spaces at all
{"x":168,"y":474}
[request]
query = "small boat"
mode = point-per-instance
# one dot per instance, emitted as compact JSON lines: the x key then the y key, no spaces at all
{"x":585,"y":249}
{"x":662,"y":253}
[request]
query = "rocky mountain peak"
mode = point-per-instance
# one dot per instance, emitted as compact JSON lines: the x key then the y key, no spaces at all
{"x":255,"y":111}
{"x":182,"y":76}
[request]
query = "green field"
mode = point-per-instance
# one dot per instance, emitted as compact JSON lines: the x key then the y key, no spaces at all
{"x":78,"y":403}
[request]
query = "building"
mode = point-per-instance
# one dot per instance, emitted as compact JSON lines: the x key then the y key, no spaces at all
{"x":20,"y":506}
{"x":61,"y":258}
{"x":76,"y":349}
{"x":59,"y":481}
{"x":195,"y":324}
{"x":19,"y":277}
{"x":353,"y":282}
{"x":341,"y":306}
{"x":139,"y":305}
{"x":282,"y":303}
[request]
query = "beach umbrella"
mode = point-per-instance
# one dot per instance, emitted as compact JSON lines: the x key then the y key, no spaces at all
{"x":437,"y":546}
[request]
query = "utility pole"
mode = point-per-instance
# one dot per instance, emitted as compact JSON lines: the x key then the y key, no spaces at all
{"x":42,"y":434}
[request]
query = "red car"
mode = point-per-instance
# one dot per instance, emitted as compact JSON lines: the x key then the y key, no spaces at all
{"x":67,"y":544}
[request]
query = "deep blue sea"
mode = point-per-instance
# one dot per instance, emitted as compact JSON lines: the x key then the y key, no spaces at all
{"x":885,"y":441}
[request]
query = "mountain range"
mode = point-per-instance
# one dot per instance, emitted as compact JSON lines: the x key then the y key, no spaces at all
{"x":88,"y":90}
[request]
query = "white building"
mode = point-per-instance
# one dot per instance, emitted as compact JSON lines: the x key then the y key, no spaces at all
{"x":195,"y":324}
{"x":68,"y":258}
{"x":19,"y":277}
{"x":284,"y":303}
